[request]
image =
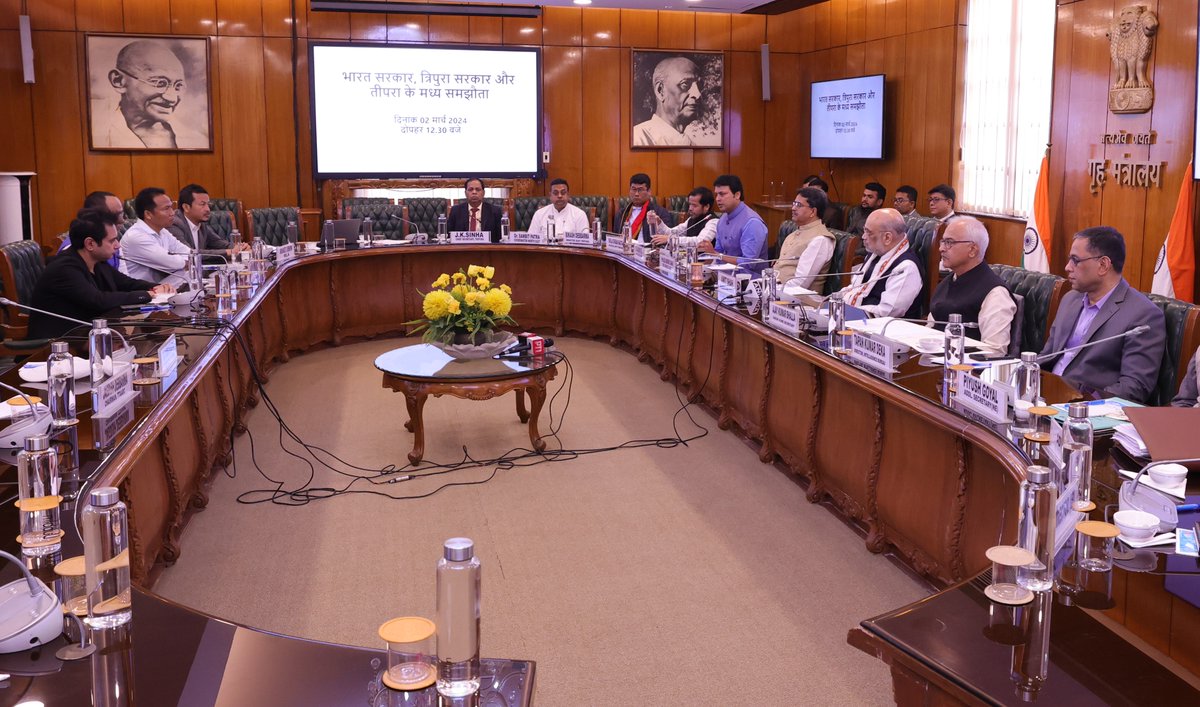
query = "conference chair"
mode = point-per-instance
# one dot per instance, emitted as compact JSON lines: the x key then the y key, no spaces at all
{"x":523,"y":209}
{"x":271,"y":224}
{"x":222,"y":222}
{"x":233,"y":207}
{"x":1183,"y":336}
{"x":1016,"y":328}
{"x":130,"y":212}
{"x":423,"y":211}
{"x":351,"y":201}
{"x":785,"y":228}
{"x":677,"y":202}
{"x":844,"y":259}
{"x":923,"y":237}
{"x":386,"y":217}
{"x":1042,"y":293}
{"x":835,"y":215}
{"x":601,"y":204}
{"x":21,"y":264}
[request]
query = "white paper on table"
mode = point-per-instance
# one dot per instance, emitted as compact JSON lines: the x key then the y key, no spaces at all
{"x":1127,"y":436}
{"x":1178,"y":490}
{"x":908,"y":333}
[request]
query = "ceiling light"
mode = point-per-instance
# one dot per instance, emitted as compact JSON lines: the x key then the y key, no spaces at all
{"x":526,"y":30}
{"x":582,"y":2}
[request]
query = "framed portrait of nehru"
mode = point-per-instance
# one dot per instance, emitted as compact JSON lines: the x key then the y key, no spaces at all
{"x":678,"y":99}
{"x":148,"y":93}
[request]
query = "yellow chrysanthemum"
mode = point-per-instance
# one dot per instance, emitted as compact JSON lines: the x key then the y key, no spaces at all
{"x":472,"y":298}
{"x":455,"y":307}
{"x":489,"y":272}
{"x":497,"y":302}
{"x":507,"y":289}
{"x":442,"y":281}
{"x":474,"y":270}
{"x":458,"y":278}
{"x":483,"y":283}
{"x":438,"y":304}
{"x":459,"y":292}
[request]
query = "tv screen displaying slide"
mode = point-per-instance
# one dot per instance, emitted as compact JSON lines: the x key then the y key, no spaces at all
{"x":425,"y":111}
{"x":847,"y":118}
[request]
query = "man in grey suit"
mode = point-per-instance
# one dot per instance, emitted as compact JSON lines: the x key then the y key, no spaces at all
{"x":1102,"y":304}
{"x":1187,"y":397}
{"x":191,"y":228}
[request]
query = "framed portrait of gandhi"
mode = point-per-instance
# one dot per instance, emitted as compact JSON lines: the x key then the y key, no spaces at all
{"x":148,"y":93}
{"x":678,"y":99}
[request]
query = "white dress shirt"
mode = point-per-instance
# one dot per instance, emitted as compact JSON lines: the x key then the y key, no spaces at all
{"x":153,"y":256}
{"x":900,"y":289}
{"x":571,"y":219}
{"x":708,"y":232}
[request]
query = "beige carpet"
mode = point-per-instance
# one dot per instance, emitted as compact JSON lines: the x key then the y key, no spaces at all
{"x":686,"y":576}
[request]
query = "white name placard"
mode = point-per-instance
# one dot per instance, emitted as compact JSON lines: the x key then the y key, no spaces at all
{"x":639,"y":251}
{"x":527,"y":238}
{"x":168,"y":356}
{"x":614,"y":245}
{"x":668,"y":266}
{"x":782,"y":317}
{"x":284,"y":253}
{"x":985,"y":399}
{"x":113,"y":390}
{"x":468,"y":237}
{"x":107,"y":427}
{"x":727,"y":283}
{"x":871,"y":354}
{"x":578,"y":239}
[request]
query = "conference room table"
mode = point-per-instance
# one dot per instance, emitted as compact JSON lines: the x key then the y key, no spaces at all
{"x":920,"y":481}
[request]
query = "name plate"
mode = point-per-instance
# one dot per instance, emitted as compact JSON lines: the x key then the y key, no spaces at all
{"x":614,"y":245}
{"x":578,"y":239}
{"x":639,"y":251}
{"x":781,"y":317}
{"x":985,"y":399}
{"x":871,"y":354}
{"x":527,"y":238}
{"x":105,"y":429}
{"x":727,"y":283}
{"x":667,"y":264}
{"x":284,"y":253}
{"x":113,"y":390}
{"x":468,"y":237}
{"x":168,"y":356}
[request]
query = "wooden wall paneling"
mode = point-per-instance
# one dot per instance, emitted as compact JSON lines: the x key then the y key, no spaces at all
{"x":713,"y":30}
{"x":805,"y":29}
{"x":813,"y":67}
{"x":241,"y":19}
{"x":193,"y":16}
{"x":856,"y":21}
{"x":408,"y":28}
{"x":243,"y":119}
{"x":60,"y":14}
{"x":281,"y":142}
{"x":16,"y":110}
{"x":676,"y":172}
{"x":601,"y":73}
{"x":328,"y":25}
{"x":277,"y":18}
{"x":856,"y":59}
{"x":887,"y":56}
{"x":601,"y":27}
{"x":562,"y":26}
{"x":747,"y":32}
{"x":155,"y":169}
{"x":784,"y":141}
{"x":676,"y":30}
{"x":783,"y":32}
{"x":208,"y":168}
{"x":521,"y":30}
{"x":450,"y":28}
{"x":9,"y":11}
{"x":147,"y":17}
{"x":838,"y":19}
{"x":895,"y":18}
{"x":308,"y":186}
{"x":1060,"y":112}
{"x":486,"y":30}
{"x":746,"y":138}
{"x":632,"y":161}
{"x":939,"y":104}
{"x":639,"y":28}
{"x":95,"y":15}
{"x":368,"y":26}
{"x":563,"y":101}
{"x":58,"y":135}
{"x":822,"y":25}
{"x":1006,"y":240}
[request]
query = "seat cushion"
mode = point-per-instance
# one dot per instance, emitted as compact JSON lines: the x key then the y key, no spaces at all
{"x":842,"y":243}
{"x":1038,"y":289}
{"x":271,"y":224}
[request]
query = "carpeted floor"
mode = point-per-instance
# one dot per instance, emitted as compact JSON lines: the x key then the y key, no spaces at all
{"x":686,"y":576}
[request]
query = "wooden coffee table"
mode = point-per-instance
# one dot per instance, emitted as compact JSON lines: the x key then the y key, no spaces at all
{"x":421,"y":370}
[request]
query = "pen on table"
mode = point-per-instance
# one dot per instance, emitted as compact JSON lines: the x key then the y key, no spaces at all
{"x":154,"y":307}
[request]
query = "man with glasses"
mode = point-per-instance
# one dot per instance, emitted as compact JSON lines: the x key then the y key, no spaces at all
{"x":972,"y":289}
{"x":941,"y":202}
{"x":80,"y":283}
{"x":639,"y":207}
{"x":148,"y":250}
{"x":149,"y":81}
{"x":1102,"y":304}
{"x":905,"y":201}
{"x":890,"y":281}
{"x":805,"y":254}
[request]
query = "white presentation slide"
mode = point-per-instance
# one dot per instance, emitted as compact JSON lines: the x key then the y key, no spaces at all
{"x":847,"y":118}
{"x":399,"y":111}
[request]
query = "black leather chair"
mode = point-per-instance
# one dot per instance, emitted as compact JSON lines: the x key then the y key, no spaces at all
{"x":351,"y":201}
{"x":130,"y":213}
{"x":1183,"y":336}
{"x":271,"y":224}
{"x":784,"y":229}
{"x":423,"y":211}
{"x":1042,"y":293}
{"x":602,"y":205}
{"x":1017,"y":328}
{"x":21,"y":264}
{"x":523,"y":209}
{"x":844,"y":256}
{"x":923,"y":237}
{"x":386,"y":218}
{"x":677,"y":202}
{"x":222,"y":222}
{"x":234,"y":207}
{"x":835,"y":215}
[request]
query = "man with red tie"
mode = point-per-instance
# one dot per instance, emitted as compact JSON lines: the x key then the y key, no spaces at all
{"x":475,"y":214}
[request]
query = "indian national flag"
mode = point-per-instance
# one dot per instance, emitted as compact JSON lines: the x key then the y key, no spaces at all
{"x":1037,"y":228}
{"x":1175,"y":269}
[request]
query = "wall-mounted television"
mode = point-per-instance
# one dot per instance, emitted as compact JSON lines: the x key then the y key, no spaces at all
{"x":847,"y":118}
{"x":393,"y":111}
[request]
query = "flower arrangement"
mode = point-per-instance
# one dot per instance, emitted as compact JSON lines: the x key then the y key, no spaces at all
{"x":464,"y":306}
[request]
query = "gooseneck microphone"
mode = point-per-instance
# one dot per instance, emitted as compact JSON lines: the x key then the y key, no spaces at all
{"x":6,"y":301}
{"x":417,"y":226}
{"x":1132,"y":332}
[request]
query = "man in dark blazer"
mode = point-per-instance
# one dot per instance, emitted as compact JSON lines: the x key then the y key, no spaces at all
{"x":191,"y":228}
{"x":639,"y":208}
{"x":1187,"y":395}
{"x":475,"y":214}
{"x":1102,"y":304}
{"x":79,"y":283}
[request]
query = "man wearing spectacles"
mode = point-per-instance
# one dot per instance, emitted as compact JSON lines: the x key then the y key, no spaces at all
{"x":941,"y":202}
{"x":890,"y":281}
{"x":149,"y":81}
{"x":805,"y":254}
{"x":905,"y":201}
{"x":972,"y":289}
{"x":1102,"y":304}
{"x":640,"y":206}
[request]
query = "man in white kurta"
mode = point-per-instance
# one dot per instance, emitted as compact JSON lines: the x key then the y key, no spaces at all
{"x":566,"y":217}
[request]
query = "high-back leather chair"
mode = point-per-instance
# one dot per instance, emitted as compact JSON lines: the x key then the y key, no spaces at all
{"x":21,"y":264}
{"x":677,"y":202}
{"x":386,"y":218}
{"x":233,"y":206}
{"x":835,"y":215}
{"x":785,"y":228}
{"x":923,"y":238}
{"x":844,"y":247}
{"x":602,"y":205}
{"x":423,"y":211}
{"x":271,"y":224}
{"x":222,"y":222}
{"x":523,"y":209}
{"x":1042,"y":293}
{"x":1183,"y":336}
{"x":1016,"y":329}
{"x":352,"y":201}
{"x":130,"y":212}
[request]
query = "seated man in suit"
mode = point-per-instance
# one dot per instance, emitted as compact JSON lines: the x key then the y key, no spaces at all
{"x":872,"y":198}
{"x":80,"y":283}
{"x":972,"y":289}
{"x":1102,"y":304}
{"x":741,"y":233}
{"x":890,"y":281}
{"x":806,"y":252}
{"x":567,"y":217}
{"x":191,"y":227}
{"x":905,"y":201}
{"x":1187,"y":397}
{"x":475,"y":214}
{"x":148,"y":251}
{"x":941,"y":202}
{"x":833,"y":217}
{"x":639,"y":207}
{"x":700,"y":225}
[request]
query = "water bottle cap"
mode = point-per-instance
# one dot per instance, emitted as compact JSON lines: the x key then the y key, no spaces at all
{"x":1077,"y":409}
{"x":1029,"y":357}
{"x":37,"y":443}
{"x":955,"y":318}
{"x":104,"y":496}
{"x":99,"y":323}
{"x":458,"y":549}
{"x":59,"y":347}
{"x":1038,"y":474}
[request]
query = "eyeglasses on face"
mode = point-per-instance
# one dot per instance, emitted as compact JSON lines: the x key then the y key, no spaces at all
{"x":937,"y":198}
{"x":950,"y":243}
{"x":1075,"y":260}
{"x":158,"y":82}
{"x":638,"y":189}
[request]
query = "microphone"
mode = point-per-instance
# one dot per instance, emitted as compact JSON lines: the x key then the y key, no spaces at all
{"x":1132,"y":332}
{"x":7,"y":301}
{"x":417,"y":226}
{"x":524,"y":346}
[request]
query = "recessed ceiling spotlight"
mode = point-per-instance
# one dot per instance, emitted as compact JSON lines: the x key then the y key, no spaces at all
{"x":526,"y":30}
{"x":582,"y":2}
